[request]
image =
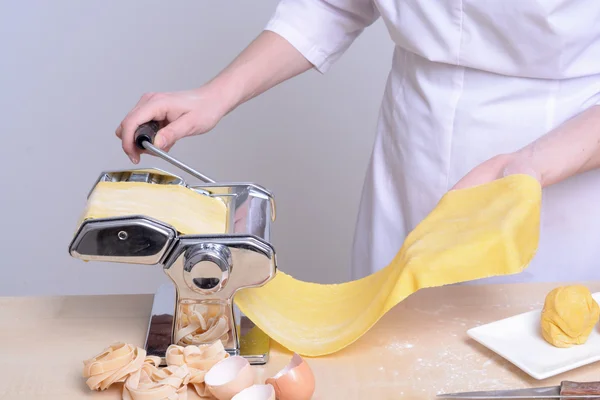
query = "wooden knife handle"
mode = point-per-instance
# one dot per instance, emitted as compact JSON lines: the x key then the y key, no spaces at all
{"x":568,"y":388}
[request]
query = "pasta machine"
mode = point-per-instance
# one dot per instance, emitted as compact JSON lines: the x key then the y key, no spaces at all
{"x":206,"y":270}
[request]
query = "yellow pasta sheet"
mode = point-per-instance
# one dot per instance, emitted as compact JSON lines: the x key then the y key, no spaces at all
{"x":178,"y":206}
{"x":474,"y":233}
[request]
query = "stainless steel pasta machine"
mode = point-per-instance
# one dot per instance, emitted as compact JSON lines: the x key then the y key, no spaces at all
{"x":206,"y":270}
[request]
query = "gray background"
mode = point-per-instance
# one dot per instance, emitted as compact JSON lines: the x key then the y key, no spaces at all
{"x":71,"y":70}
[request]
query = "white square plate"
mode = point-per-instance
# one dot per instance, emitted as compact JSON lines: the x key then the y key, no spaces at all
{"x":519,"y":340}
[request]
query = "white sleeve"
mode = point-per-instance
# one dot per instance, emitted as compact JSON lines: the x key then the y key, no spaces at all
{"x":322,"y":30}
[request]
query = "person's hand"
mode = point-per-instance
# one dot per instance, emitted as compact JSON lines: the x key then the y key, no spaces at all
{"x":497,"y":167}
{"x":571,"y":148}
{"x":180,"y":114}
{"x":267,"y":61}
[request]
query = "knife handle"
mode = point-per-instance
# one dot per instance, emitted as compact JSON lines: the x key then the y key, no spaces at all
{"x":569,"y":388}
{"x":145,"y":133}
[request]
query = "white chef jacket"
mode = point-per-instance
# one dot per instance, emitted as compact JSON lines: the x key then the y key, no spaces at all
{"x":469,"y":79}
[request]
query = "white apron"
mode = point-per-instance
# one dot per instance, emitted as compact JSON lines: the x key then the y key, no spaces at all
{"x":470,"y":79}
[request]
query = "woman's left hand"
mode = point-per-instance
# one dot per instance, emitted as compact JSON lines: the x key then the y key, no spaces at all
{"x":495,"y":168}
{"x":569,"y":149}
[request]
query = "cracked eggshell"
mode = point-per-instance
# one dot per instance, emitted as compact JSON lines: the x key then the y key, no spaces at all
{"x":256,"y":392}
{"x":228,"y":377}
{"x":295,"y":382}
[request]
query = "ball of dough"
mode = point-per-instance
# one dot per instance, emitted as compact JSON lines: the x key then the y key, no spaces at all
{"x":569,"y":315}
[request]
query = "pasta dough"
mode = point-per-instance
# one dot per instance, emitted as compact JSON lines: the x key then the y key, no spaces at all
{"x":569,"y":315}
{"x":479,"y":232}
{"x":175,"y":205}
{"x":201,"y":323}
{"x":113,"y":365}
{"x":142,"y":377}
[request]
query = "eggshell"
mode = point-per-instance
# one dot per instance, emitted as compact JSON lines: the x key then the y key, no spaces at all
{"x":256,"y":392}
{"x":295,"y":382}
{"x":228,"y":377}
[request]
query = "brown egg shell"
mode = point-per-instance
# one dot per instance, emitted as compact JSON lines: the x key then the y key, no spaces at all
{"x":294,"y":382}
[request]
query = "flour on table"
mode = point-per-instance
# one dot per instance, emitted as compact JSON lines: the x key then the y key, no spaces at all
{"x":399,"y":346}
{"x":456,"y":370}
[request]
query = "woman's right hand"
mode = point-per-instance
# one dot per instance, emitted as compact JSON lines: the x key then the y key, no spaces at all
{"x":180,"y":114}
{"x":266,"y":62}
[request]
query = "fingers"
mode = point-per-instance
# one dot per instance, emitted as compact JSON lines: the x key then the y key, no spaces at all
{"x":485,"y":172}
{"x":498,"y":167}
{"x":179,"y":114}
{"x":150,"y":107}
{"x":169,"y":134}
{"x":144,"y":99}
{"x":474,"y":178}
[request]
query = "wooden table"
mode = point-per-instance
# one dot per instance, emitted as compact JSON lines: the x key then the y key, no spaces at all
{"x":419,"y":349}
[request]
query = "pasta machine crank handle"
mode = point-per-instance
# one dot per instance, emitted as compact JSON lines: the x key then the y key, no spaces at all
{"x":144,"y":140}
